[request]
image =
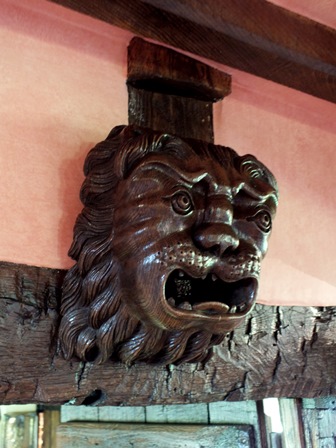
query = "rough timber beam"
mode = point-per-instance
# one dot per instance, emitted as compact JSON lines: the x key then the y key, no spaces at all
{"x":278,"y":352}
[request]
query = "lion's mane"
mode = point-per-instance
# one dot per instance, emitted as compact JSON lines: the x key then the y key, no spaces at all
{"x":96,"y":324}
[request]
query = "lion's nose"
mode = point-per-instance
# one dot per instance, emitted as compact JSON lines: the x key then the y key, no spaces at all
{"x":216,"y":238}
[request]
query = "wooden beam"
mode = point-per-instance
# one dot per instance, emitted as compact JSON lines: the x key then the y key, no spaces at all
{"x":278,"y":352}
{"x":159,"y":69}
{"x":172,"y":93}
{"x":255,"y":36}
{"x":88,"y":434}
{"x":51,"y":421}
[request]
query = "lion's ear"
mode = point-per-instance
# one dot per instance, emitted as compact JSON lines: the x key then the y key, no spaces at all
{"x":117,"y":130}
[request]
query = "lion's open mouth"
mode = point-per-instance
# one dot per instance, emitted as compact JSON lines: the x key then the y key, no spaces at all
{"x":210,"y":295}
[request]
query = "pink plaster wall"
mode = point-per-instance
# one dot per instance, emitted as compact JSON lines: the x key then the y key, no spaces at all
{"x":63,"y":88}
{"x":323,"y":11}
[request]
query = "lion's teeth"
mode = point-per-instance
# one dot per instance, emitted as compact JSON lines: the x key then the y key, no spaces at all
{"x":214,"y":277}
{"x":185,"y":306}
{"x":180,"y":273}
{"x":233,"y":309}
{"x":171,"y":301}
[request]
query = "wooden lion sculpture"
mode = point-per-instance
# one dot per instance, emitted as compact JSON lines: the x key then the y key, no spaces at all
{"x":167,"y":248}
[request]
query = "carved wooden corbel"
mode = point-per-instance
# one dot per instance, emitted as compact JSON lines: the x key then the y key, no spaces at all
{"x":169,"y":244}
{"x":278,"y":351}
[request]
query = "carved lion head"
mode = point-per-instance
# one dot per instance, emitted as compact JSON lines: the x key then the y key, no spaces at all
{"x":167,"y":248}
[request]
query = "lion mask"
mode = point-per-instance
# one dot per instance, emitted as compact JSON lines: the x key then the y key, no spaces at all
{"x":167,"y":248}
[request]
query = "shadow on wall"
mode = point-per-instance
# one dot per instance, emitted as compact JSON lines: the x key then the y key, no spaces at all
{"x":72,"y":177}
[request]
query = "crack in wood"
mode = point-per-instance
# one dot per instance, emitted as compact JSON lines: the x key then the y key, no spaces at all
{"x":278,"y":323}
{"x":276,"y":366}
{"x":314,"y":336}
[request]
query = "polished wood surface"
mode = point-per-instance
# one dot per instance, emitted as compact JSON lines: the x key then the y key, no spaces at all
{"x":168,"y":248}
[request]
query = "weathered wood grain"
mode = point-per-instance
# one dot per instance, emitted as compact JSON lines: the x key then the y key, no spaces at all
{"x":171,"y":114}
{"x":319,"y":421}
{"x":255,"y":36}
{"x":69,"y":413}
{"x":291,"y":423}
{"x":241,"y":413}
{"x":220,"y":413}
{"x":115,"y":414}
{"x":188,"y":413}
{"x":122,"y":414}
{"x":51,"y":420}
{"x":85,"y":435}
{"x":280,"y":351}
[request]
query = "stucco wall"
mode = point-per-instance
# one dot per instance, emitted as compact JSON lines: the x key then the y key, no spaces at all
{"x":63,"y":88}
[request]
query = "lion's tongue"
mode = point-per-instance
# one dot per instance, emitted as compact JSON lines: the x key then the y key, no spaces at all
{"x":211,"y":306}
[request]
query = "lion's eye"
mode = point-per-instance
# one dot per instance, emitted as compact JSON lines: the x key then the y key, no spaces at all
{"x":182,"y":203}
{"x":263,"y":220}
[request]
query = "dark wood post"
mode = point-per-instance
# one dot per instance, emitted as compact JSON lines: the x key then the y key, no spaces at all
{"x":171,"y":92}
